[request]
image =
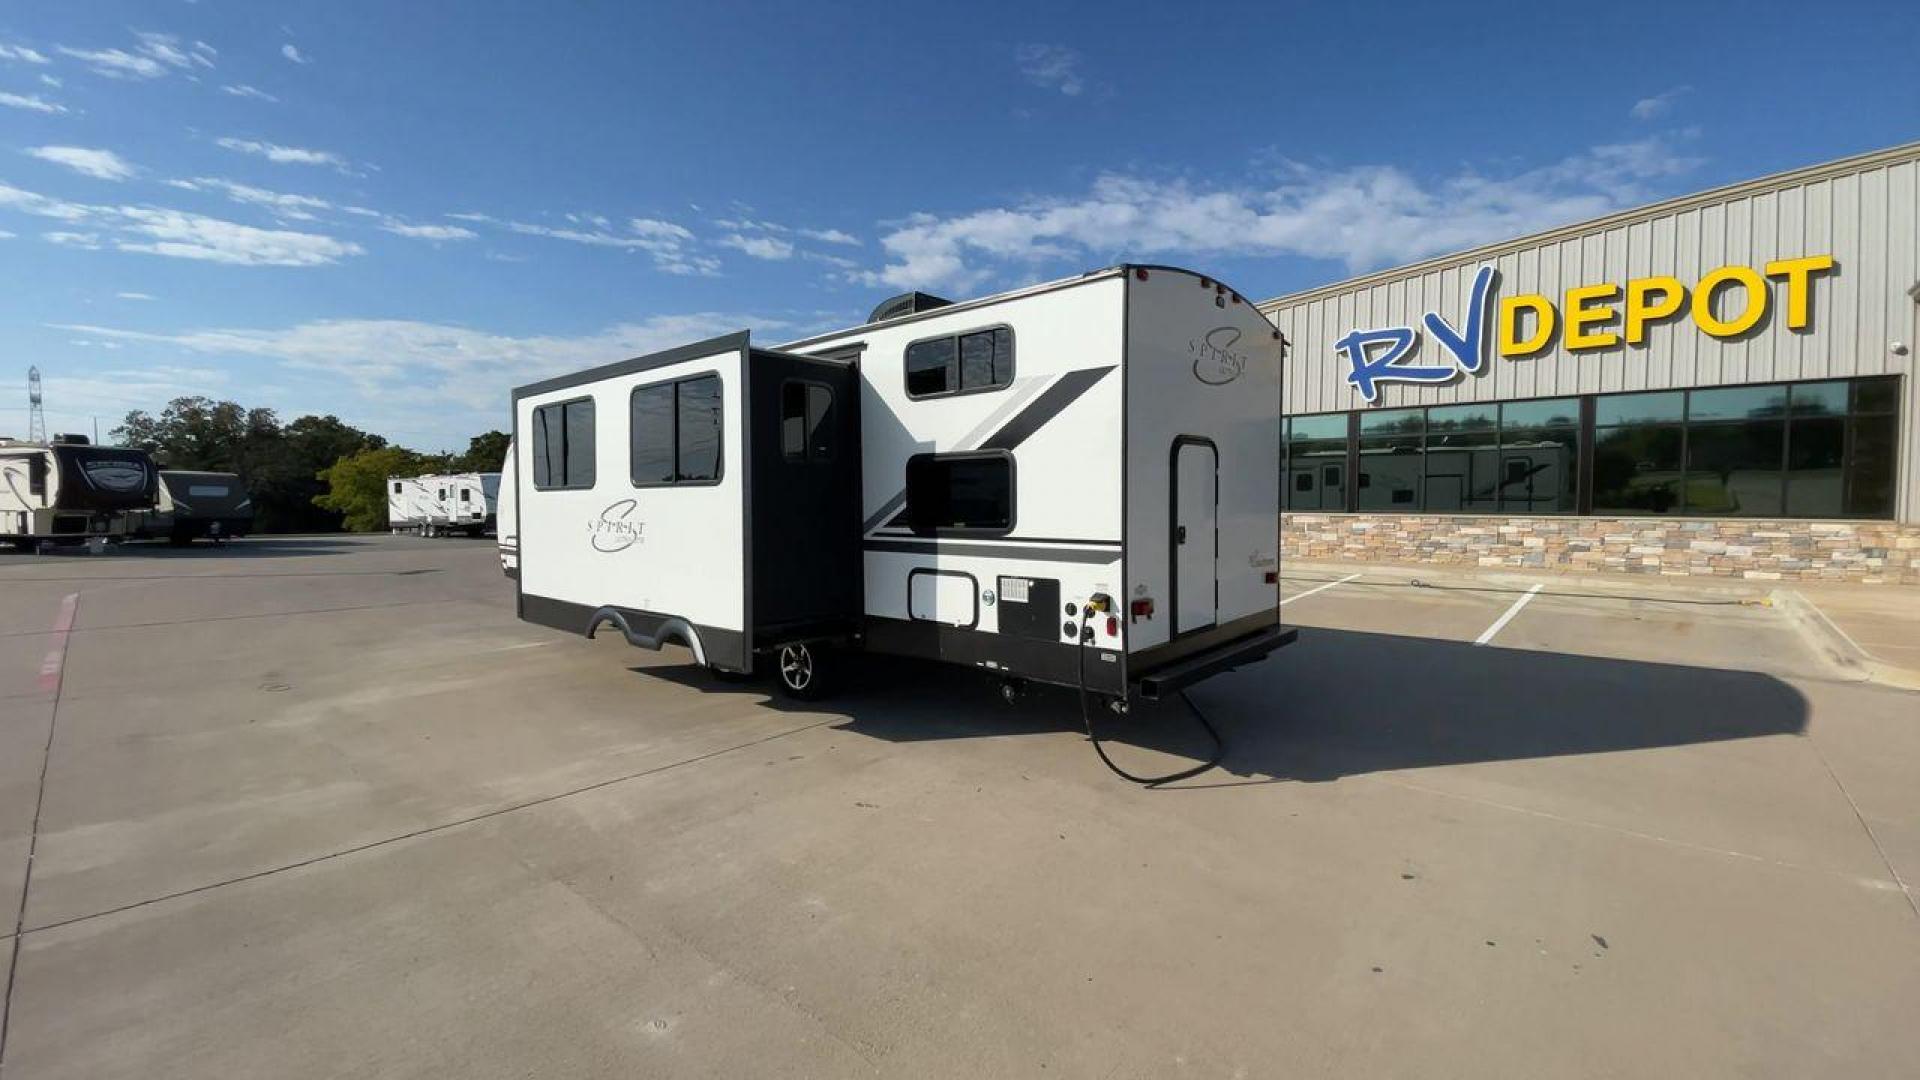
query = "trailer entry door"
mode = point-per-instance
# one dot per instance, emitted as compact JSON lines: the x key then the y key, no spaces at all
{"x":1196,"y":508}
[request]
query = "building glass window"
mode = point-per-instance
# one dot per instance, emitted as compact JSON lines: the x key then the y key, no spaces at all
{"x":1313,"y":474}
{"x":1638,"y":441}
{"x":1463,"y":459}
{"x":1539,"y":457}
{"x":1391,"y":471}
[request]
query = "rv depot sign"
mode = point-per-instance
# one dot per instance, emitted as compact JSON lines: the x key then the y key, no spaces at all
{"x":1585,"y":318}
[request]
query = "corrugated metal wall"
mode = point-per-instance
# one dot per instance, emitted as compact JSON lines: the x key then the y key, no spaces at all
{"x":1864,"y":211}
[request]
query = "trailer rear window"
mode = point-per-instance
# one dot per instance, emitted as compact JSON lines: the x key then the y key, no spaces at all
{"x":960,"y":493}
{"x":563,"y":445}
{"x":960,"y":364}
{"x":675,"y":433}
{"x":806,"y":421}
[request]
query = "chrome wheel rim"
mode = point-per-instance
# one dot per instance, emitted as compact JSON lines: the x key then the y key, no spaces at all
{"x":796,"y":666}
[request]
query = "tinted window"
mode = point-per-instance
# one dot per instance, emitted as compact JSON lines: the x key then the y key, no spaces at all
{"x":1742,"y":403}
{"x":959,"y":492}
{"x":675,"y":434}
{"x":981,"y":360}
{"x":699,"y":425}
{"x":1735,"y":468}
{"x":930,"y":367}
{"x":793,"y":420}
{"x":651,"y":435}
{"x":1876,"y":395}
{"x":396,"y":489}
{"x":1820,"y":398}
{"x":1393,"y":421}
{"x":1554,"y":412}
{"x":820,"y":428}
{"x":1639,"y":408}
{"x":1330,"y":426}
{"x":1636,"y":470}
{"x":806,"y":421}
{"x":562,"y":445}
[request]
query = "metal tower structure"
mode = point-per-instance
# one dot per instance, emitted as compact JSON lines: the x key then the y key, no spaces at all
{"x":36,"y":416}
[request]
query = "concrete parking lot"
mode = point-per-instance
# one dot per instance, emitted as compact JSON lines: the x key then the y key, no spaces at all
{"x":323,"y":807}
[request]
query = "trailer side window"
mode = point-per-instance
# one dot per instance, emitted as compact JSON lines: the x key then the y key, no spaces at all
{"x":960,"y":364}
{"x":36,"y":475}
{"x":563,"y":445}
{"x":960,"y":492}
{"x":806,"y":421}
{"x":675,"y":432}
{"x":396,"y":487}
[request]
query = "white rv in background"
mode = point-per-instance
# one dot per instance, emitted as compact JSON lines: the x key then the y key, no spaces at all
{"x":1075,"y":483}
{"x":410,"y":503}
{"x":67,"y":490}
{"x":461,"y":503}
{"x":506,"y":531}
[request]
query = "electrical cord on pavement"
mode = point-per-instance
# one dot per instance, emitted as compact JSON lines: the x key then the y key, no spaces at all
{"x":1086,"y":718}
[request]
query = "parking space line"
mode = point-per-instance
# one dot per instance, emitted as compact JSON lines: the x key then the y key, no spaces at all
{"x":1318,"y":588}
{"x":1487,"y":634}
{"x":56,"y":657}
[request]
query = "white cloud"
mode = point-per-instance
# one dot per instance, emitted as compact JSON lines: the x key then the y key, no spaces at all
{"x":242,"y":90}
{"x":174,"y":233}
{"x":1653,"y":108}
{"x":760,"y":247}
{"x":285,"y":155}
{"x":99,"y":164}
{"x":484,"y":219}
{"x":294,"y":54}
{"x":5,"y":235}
{"x":831,"y":236}
{"x":31,"y":102}
{"x":23,"y":54}
{"x":1365,"y":216}
{"x":457,"y":362}
{"x":428,"y":232}
{"x":166,"y":49}
{"x":295,"y":207}
{"x":117,"y":63}
{"x":667,"y":243}
{"x":133,"y":296}
{"x":85,"y":241}
{"x":1054,"y":67}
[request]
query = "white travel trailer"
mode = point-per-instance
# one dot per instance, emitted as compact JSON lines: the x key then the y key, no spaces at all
{"x":410,"y":503}
{"x":1075,"y":483}
{"x":461,"y":502}
{"x":506,"y":530}
{"x":67,"y":490}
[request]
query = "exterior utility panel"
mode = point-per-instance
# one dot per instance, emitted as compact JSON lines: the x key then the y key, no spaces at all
{"x":978,"y":473}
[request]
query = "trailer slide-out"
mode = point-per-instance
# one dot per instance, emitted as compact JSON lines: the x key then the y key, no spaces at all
{"x":1075,"y":483}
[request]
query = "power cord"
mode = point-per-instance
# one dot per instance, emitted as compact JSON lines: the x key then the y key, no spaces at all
{"x":1086,"y":719}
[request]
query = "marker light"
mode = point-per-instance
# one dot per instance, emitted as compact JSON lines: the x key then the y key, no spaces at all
{"x":1141,"y":609}
{"x":1273,"y":577}
{"x":1140,"y":272}
{"x":1113,"y":626}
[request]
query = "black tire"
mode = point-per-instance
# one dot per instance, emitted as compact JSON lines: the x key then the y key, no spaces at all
{"x":806,"y":670}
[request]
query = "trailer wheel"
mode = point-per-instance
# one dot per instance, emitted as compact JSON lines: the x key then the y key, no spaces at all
{"x":804,"y":670}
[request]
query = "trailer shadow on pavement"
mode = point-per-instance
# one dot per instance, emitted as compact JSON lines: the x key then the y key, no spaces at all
{"x":1339,"y":703}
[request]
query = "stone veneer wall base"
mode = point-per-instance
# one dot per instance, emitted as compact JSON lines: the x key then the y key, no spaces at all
{"x":1765,"y":550}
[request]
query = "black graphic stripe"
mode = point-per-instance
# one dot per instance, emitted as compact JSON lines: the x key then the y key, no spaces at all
{"x":1044,"y":408}
{"x":1035,"y":552}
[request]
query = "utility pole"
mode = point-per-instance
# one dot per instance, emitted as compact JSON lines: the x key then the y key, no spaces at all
{"x":36,"y":416}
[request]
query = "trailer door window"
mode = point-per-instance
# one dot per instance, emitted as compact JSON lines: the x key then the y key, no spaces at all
{"x":675,"y":432}
{"x":960,"y":364}
{"x":806,"y":421}
{"x":563,"y":445}
{"x":960,"y":493}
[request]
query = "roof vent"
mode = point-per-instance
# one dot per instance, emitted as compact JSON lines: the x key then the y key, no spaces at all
{"x":911,"y":303}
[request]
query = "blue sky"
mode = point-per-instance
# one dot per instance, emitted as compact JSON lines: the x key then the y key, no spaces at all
{"x":397,"y":211}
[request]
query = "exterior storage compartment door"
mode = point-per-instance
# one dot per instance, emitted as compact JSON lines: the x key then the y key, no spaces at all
{"x":1195,"y":541}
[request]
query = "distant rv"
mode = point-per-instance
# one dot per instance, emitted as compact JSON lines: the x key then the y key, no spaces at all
{"x":463,"y":503}
{"x":409,"y":503}
{"x":68,"y":490}
{"x":195,"y":504}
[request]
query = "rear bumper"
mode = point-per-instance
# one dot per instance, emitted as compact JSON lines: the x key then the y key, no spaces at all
{"x":1225,"y":656}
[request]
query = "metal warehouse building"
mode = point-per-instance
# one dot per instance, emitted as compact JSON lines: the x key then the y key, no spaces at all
{"x":1717,"y":384}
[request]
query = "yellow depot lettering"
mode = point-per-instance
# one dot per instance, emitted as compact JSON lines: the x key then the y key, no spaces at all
{"x":1580,"y":316}
{"x":1799,"y":274}
{"x":1710,"y":283}
{"x":1641,"y":309}
{"x":1543,"y":322}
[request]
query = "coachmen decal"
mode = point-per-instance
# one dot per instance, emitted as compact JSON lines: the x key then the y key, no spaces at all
{"x":1725,"y":303}
{"x":1215,"y":361}
{"x":111,"y":474}
{"x":614,"y":530}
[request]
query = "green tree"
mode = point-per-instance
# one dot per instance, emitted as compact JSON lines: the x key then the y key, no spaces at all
{"x":485,"y":452}
{"x":357,"y":484}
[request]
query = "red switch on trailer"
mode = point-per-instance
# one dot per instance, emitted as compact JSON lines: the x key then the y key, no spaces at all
{"x":1141,"y":609}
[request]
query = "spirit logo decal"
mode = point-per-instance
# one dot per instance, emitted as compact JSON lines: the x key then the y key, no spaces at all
{"x":613,"y":530}
{"x":1214,"y":360}
{"x":1380,"y":356}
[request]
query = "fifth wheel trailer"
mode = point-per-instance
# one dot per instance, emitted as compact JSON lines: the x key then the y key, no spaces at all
{"x":1074,"y":483}
{"x":67,"y":490}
